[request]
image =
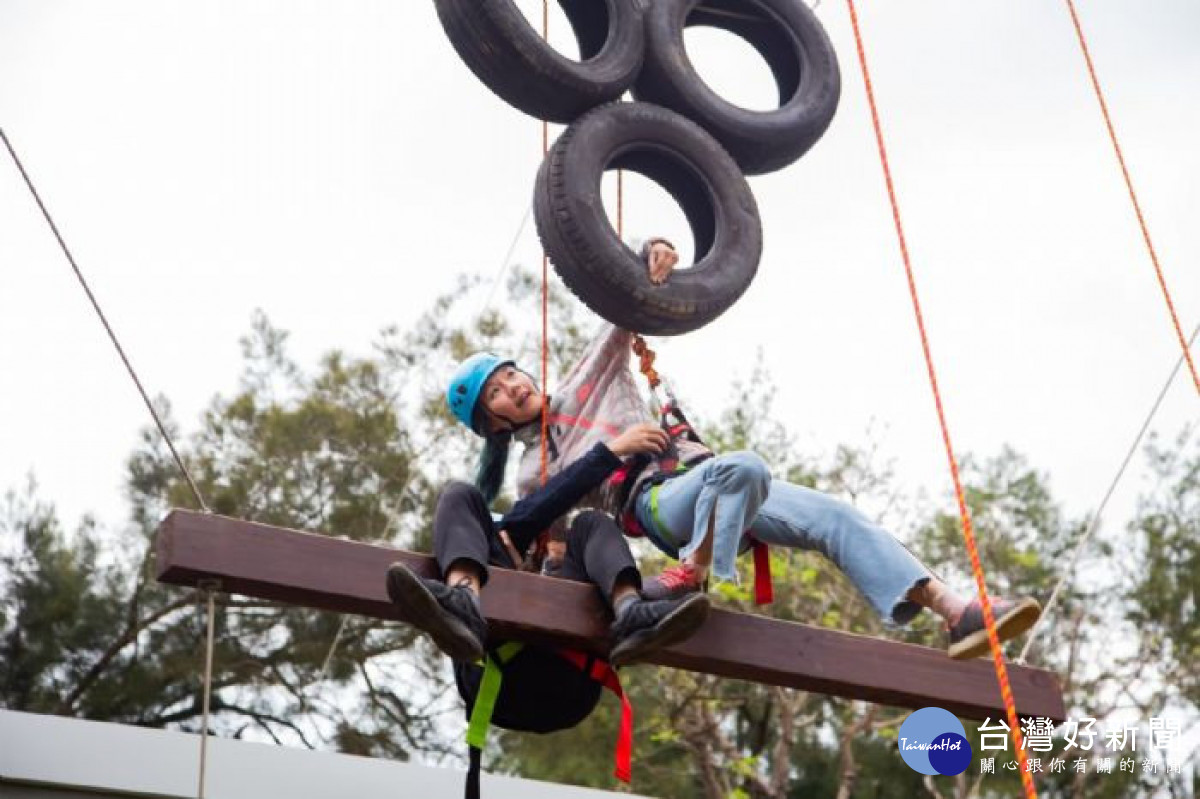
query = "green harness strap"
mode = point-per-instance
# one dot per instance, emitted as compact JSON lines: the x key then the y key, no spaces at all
{"x":658,"y":522}
{"x":489,"y":690}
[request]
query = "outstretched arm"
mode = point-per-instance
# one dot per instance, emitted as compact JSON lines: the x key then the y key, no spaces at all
{"x":608,"y":352}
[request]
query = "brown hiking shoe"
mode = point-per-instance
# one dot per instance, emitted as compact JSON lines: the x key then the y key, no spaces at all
{"x":968,"y":638}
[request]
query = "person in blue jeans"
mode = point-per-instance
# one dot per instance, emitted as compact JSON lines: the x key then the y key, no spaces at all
{"x":697,"y":506}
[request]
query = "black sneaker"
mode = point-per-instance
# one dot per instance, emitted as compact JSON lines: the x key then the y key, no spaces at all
{"x":968,"y":638}
{"x":644,"y":626}
{"x":450,"y":615}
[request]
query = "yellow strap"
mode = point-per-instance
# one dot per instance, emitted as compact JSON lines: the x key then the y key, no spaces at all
{"x":489,"y":691}
{"x":658,"y":522}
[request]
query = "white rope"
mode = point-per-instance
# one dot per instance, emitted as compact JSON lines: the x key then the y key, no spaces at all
{"x":162,"y":429}
{"x":504,"y":264}
{"x":1095,"y":522}
{"x":208,"y":663}
{"x":333,"y":647}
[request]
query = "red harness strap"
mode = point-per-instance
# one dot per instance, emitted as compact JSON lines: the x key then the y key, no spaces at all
{"x":764,"y":590}
{"x":607,"y":676}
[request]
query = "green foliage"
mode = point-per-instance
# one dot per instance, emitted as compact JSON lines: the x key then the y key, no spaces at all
{"x":358,"y":446}
{"x":1163,"y":603}
{"x":56,"y":604}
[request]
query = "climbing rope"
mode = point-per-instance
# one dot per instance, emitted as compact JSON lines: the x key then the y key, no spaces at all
{"x":968,"y":533}
{"x":1095,"y":521}
{"x":545,"y":287}
{"x":1137,"y":207}
{"x":505,"y":262}
{"x":646,"y":358}
{"x":104,"y":321}
{"x":209,"y":590}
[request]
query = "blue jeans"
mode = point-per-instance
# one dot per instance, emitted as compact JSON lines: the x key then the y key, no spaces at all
{"x":747,"y":500}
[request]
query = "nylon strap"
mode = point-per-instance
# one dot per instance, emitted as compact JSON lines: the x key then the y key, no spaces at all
{"x":764,"y":592}
{"x":489,"y":690}
{"x":658,"y":522}
{"x":607,"y":676}
{"x":599,"y":670}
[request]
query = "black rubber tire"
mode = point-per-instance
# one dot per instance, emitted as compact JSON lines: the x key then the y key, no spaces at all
{"x":499,"y":45}
{"x":690,"y":165}
{"x":795,"y":46}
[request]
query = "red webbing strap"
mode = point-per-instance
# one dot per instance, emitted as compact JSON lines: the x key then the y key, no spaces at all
{"x":764,"y":592}
{"x":607,"y":676}
{"x":618,"y":476}
{"x":630,"y":526}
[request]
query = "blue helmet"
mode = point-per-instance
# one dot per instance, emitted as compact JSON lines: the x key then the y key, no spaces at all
{"x":467,"y":382}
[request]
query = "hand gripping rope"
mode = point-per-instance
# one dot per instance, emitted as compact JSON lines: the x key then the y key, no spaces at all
{"x":968,"y":533}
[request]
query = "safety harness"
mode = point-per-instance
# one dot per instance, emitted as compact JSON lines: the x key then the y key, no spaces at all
{"x":677,"y":427}
{"x":489,"y":690}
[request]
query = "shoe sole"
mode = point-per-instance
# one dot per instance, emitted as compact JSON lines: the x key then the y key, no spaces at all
{"x":421,"y":609}
{"x":1009,"y":626}
{"x":676,"y":626}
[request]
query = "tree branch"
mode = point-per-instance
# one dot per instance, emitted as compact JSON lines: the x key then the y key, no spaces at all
{"x":125,"y":639}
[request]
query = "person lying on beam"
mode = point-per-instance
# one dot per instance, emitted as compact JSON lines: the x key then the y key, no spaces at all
{"x":536,"y":688}
{"x":702,"y":508}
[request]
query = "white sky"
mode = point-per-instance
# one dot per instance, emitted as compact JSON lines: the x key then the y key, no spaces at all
{"x":336,"y":165}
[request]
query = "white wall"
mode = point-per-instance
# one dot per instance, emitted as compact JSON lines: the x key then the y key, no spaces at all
{"x":61,"y":756}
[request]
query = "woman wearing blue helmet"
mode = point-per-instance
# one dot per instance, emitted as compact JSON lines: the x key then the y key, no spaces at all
{"x":701,"y":508}
{"x":541,"y":689}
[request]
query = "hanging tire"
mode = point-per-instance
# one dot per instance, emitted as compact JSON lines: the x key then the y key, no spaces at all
{"x":692,"y":167}
{"x":499,"y":45}
{"x":790,"y":39}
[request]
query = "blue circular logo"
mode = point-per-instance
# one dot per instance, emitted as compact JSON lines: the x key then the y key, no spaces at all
{"x":933,"y":741}
{"x":950,"y":754}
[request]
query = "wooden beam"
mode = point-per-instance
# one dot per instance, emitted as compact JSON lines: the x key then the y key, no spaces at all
{"x":346,"y":576}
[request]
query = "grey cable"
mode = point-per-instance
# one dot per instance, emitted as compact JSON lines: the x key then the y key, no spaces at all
{"x":504,"y":264}
{"x":1095,"y":522}
{"x":208,"y":663}
{"x":104,"y":321}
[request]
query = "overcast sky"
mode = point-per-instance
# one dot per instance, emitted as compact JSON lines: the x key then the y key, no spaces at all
{"x":334,"y":164}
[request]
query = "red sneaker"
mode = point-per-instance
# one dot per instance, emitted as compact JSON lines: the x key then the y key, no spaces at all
{"x":674,"y":582}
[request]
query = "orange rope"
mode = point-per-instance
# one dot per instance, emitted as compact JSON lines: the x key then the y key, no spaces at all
{"x":968,"y":533}
{"x":1137,"y":208}
{"x":545,"y":289}
{"x":646,"y":358}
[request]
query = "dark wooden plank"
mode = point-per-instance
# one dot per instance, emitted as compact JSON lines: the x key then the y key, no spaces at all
{"x":323,"y":572}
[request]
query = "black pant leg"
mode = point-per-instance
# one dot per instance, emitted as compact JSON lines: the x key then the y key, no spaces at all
{"x":463,"y":530}
{"x":598,"y":553}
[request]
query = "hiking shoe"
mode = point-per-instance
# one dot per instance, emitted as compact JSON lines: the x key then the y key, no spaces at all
{"x":450,"y":615}
{"x":968,"y":638}
{"x":644,"y":626}
{"x":673,"y":583}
